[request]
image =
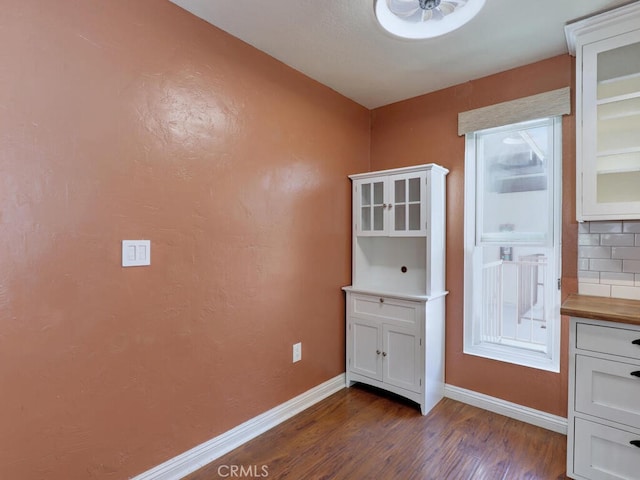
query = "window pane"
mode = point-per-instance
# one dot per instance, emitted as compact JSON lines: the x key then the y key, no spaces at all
{"x":512,"y":303}
{"x":378,"y":193}
{"x":400,"y":194}
{"x":414,"y":216}
{"x":366,"y":194}
{"x":400,"y":215}
{"x":366,"y":219}
{"x":513,"y":179}
{"x":378,"y":218}
{"x":514,"y":307}
{"x":414,"y":189}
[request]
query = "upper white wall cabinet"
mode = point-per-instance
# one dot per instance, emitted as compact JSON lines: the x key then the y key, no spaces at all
{"x":391,"y":204}
{"x":607,"y":50}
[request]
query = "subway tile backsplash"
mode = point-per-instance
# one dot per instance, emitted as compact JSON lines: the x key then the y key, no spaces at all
{"x":609,"y":259}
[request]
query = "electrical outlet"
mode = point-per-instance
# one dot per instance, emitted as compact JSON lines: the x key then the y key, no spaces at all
{"x":297,"y":352}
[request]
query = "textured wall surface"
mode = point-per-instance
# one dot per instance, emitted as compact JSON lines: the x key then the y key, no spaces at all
{"x":133,"y":119}
{"x":424,"y":130}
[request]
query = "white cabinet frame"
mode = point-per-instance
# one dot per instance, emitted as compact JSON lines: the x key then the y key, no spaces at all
{"x":586,"y":39}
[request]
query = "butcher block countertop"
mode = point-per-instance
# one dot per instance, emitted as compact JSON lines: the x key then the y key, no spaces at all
{"x":602,"y":308}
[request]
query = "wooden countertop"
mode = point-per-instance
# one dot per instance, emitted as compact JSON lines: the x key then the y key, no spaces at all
{"x":602,"y":308}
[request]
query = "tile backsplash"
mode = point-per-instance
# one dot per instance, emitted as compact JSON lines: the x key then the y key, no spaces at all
{"x":609,"y":259}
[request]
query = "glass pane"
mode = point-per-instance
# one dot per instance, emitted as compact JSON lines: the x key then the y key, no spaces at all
{"x":513,"y":196}
{"x":618,"y":71}
{"x":414,"y":189}
{"x":400,"y":193}
{"x":514,"y":306}
{"x":366,"y":194}
{"x":414,"y":216}
{"x":619,"y":187}
{"x":618,"y":124}
{"x":618,"y":163}
{"x":400,"y":222}
{"x":378,"y":193}
{"x":378,"y":220}
{"x":366,"y":219}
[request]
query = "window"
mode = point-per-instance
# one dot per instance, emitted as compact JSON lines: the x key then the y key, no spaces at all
{"x":512,"y":243}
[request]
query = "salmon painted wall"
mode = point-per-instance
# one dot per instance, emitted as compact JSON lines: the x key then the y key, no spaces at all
{"x":424,"y":130}
{"x":133,"y":119}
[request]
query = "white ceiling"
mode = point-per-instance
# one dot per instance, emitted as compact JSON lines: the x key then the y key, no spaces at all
{"x":339,"y":43}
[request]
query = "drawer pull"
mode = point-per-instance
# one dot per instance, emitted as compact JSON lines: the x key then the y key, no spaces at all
{"x":382,"y":300}
{"x":636,"y":341}
{"x":635,"y":443}
{"x":636,"y":373}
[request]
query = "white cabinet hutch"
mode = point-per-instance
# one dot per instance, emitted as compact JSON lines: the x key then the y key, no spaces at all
{"x":607,"y":49}
{"x":395,"y":306}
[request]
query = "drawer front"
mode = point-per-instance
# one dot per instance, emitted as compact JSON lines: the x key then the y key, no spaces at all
{"x":614,"y":341}
{"x":383,"y":308}
{"x":608,"y":390}
{"x":605,"y":453}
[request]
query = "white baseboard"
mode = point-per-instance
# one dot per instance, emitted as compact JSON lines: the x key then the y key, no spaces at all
{"x":207,"y":452}
{"x":508,"y":409}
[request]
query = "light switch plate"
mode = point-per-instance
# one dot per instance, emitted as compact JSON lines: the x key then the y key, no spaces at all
{"x":297,"y":352}
{"x":136,"y":253}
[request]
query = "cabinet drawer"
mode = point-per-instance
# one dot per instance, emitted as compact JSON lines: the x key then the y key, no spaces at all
{"x":614,"y":341}
{"x":383,"y":308}
{"x":608,"y":390}
{"x":605,"y":453}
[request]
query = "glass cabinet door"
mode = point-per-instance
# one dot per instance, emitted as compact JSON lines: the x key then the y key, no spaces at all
{"x":407,"y":210}
{"x":611,"y":126}
{"x":372,"y":206}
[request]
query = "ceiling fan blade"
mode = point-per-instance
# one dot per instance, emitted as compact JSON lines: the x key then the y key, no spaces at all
{"x":403,"y":8}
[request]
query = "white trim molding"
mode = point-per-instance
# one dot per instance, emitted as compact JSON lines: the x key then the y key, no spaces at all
{"x":205,"y":453}
{"x":594,"y":24}
{"x":508,"y":409}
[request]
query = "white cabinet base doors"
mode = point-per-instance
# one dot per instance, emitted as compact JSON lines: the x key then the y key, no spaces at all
{"x":604,"y":401}
{"x":397,"y":345}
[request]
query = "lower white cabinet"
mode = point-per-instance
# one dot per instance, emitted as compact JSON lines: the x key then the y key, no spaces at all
{"x":397,"y":344}
{"x":602,"y":452}
{"x":603,"y":441}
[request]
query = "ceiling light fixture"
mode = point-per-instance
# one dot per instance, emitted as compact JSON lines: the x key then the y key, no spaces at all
{"x":417,"y":19}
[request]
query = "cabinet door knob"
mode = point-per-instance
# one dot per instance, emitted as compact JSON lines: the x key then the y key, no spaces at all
{"x":382,"y":300}
{"x":636,"y":342}
{"x":384,"y":354}
{"x":377,"y":352}
{"x":635,"y":443}
{"x":384,"y":205}
{"x":390,"y":205}
{"x":636,"y":373}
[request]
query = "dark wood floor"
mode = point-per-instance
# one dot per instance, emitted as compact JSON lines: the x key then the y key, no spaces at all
{"x":361,"y":433}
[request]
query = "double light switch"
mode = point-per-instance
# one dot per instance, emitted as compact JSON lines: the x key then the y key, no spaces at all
{"x":136,"y":253}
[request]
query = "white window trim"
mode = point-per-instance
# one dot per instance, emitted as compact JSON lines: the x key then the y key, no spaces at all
{"x":550,"y":361}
